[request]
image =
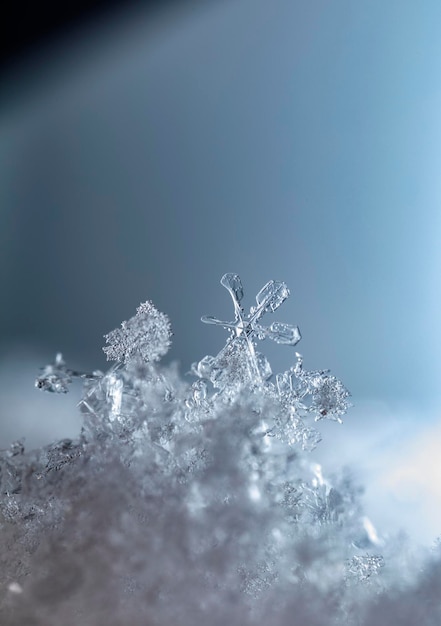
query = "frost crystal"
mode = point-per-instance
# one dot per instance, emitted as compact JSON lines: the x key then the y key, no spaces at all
{"x":299,"y":393}
{"x":329,"y":397}
{"x":193,"y":502}
{"x":239,"y":362}
{"x":363,"y":567}
{"x":56,"y":377}
{"x":146,"y":335}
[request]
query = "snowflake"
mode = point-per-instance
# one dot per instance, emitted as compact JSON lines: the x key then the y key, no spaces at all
{"x":269,"y":298}
{"x":146,"y":335}
{"x":238,"y":362}
{"x":329,"y":397}
{"x":298,"y":392}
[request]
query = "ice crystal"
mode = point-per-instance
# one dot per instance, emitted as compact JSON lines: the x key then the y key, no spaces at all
{"x":185,"y":502}
{"x":300,"y":393}
{"x":145,"y":335}
{"x":363,"y":567}
{"x":239,"y":362}
{"x":56,"y":377}
{"x":329,"y":397}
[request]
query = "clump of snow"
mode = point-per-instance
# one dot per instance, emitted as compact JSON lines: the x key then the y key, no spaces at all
{"x":186,"y":502}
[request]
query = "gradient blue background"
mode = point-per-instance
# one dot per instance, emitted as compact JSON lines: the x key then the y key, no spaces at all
{"x":292,"y":140}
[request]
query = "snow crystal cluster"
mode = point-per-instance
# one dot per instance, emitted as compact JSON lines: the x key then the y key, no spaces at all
{"x":197,"y":501}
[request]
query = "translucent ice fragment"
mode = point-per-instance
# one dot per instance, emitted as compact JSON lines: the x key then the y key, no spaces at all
{"x":291,"y":495}
{"x":11,"y":469}
{"x":55,"y":377}
{"x":283,"y":383}
{"x":310,"y":439}
{"x":298,"y":367}
{"x":146,"y":335}
{"x":114,"y":392}
{"x":16,"y":448}
{"x":264,"y":366}
{"x":197,"y":405}
{"x":199,"y":392}
{"x":203,"y":368}
{"x":363,"y":567}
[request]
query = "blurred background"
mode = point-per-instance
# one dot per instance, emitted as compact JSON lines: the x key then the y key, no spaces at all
{"x":147,"y":148}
